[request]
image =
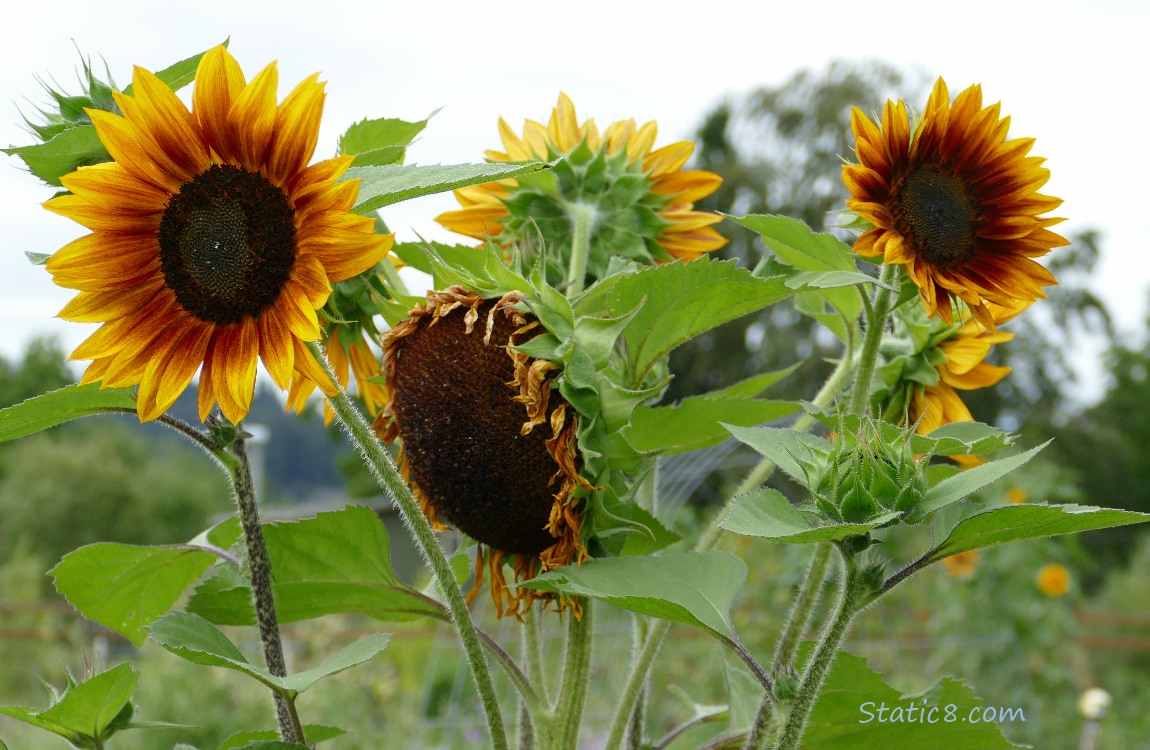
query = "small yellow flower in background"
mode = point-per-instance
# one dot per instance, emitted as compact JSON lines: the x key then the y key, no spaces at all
{"x":955,"y":202}
{"x":213,"y":242}
{"x":1017,"y":495}
{"x":962,"y":565}
{"x":1053,"y":579}
{"x":642,"y":199}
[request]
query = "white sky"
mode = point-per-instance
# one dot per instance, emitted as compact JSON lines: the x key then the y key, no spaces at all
{"x":1071,"y":74}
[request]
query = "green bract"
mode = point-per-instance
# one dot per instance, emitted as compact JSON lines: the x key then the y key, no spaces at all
{"x":614,"y":191}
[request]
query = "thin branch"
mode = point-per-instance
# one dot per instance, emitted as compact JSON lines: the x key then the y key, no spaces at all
{"x":756,"y":668}
{"x":682,"y":729}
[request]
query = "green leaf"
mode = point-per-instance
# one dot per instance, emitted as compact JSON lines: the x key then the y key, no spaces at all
{"x":744,"y":696}
{"x":768,"y":514}
{"x":56,"y":407}
{"x":313,"y":733}
{"x":391,"y":183}
{"x":72,"y":148}
{"x":193,"y":638}
{"x":126,"y":587}
{"x":380,"y":141}
{"x":37,"y":259}
{"x":696,"y":588}
{"x":846,"y":714}
{"x":798,"y":245}
{"x":796,"y":453}
{"x":683,"y":300}
{"x":337,"y":562}
{"x":953,"y":489}
{"x":831,"y":280}
{"x":698,"y":421}
{"x":31,"y":717}
{"x":88,"y":707}
{"x":961,"y":438}
{"x":346,"y":658}
{"x":180,"y":74}
{"x":754,"y":385}
{"x":273,"y":745}
{"x":1010,"y":523}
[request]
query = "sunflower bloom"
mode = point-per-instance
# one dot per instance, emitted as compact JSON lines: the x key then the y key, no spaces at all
{"x":212,"y":243}
{"x":962,"y":565}
{"x":642,"y":199}
{"x":954,"y":202}
{"x":350,"y":355}
{"x":487,"y":445}
{"x":1053,"y":580}
{"x":964,"y":369}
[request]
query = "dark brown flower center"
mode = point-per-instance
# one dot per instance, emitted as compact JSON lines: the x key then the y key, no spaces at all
{"x":227,"y":244}
{"x":461,"y":433}
{"x":936,"y":211}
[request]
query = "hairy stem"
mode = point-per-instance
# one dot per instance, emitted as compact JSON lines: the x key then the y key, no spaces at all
{"x":824,"y":655}
{"x":876,"y":314}
{"x":259,"y":565}
{"x":645,"y":653}
{"x":582,"y":221}
{"x":386,"y":473}
{"x":800,"y":613}
{"x":576,"y":674}
{"x":636,"y":680}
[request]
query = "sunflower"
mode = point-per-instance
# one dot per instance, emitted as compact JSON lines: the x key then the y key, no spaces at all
{"x":212,"y":243}
{"x":488,"y":446}
{"x":350,"y":354}
{"x":643,"y":200}
{"x":964,"y":368}
{"x":954,"y":202}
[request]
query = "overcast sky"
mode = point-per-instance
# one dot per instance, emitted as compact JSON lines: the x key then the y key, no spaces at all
{"x":1071,"y":74}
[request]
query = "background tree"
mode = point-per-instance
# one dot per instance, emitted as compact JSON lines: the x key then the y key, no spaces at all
{"x":779,"y":151}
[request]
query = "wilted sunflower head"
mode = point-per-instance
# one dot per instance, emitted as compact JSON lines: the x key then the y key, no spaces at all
{"x":954,"y":202}
{"x":488,"y":446}
{"x":639,"y":202}
{"x":212,"y":243}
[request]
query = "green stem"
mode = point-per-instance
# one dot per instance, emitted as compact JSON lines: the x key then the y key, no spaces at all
{"x":636,"y":680}
{"x":259,"y":565}
{"x":582,"y":221}
{"x":645,"y":653}
{"x":386,"y":473}
{"x":576,"y":674}
{"x":797,"y":620}
{"x":533,"y":652}
{"x":876,"y":315}
{"x":636,"y":730}
{"x":824,"y":655}
{"x":800,"y":613}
